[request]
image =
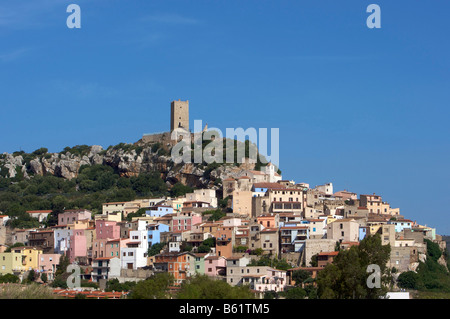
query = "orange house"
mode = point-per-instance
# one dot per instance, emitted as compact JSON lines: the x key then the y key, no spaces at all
{"x":179,"y":264}
{"x":268,"y":221}
{"x":225,"y":241}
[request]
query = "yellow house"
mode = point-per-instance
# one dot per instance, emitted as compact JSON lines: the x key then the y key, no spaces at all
{"x":177,"y":204}
{"x":9,"y":262}
{"x":28,"y":257}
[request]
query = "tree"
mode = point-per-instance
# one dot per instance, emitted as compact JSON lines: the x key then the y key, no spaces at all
{"x":281,"y":264}
{"x":215,"y":214}
{"x":155,"y":249}
{"x":206,"y":245}
{"x":299,"y":276}
{"x":154,"y":287}
{"x":115,"y":285}
{"x":433,"y":250}
{"x":31,"y":276}
{"x":314,"y":262}
{"x":257,"y":252}
{"x":408,"y":280}
{"x":180,"y":189}
{"x":44,"y":277}
{"x":270,"y":294}
{"x":347,"y":276}
{"x":61,"y":268}
{"x":240,"y":249}
{"x":9,"y":278}
{"x":204,"y":287}
{"x":295,"y":293}
{"x":139,"y":213}
{"x":61,"y":274}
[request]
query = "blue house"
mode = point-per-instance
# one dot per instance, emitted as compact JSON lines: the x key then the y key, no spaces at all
{"x":293,"y":237}
{"x":159,"y":210}
{"x":362,"y":232}
{"x":401,"y":224}
{"x":154,"y":233}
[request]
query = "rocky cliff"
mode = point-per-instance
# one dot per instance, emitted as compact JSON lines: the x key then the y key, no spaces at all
{"x":126,"y":159}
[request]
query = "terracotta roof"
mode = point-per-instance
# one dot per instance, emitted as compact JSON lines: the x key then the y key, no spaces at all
{"x":350,"y":243}
{"x":331,"y":253}
{"x":89,"y":294}
{"x":269,"y":185}
{"x":104,"y":258}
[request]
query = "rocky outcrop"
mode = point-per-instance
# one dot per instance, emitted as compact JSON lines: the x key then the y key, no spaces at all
{"x":128,"y":160}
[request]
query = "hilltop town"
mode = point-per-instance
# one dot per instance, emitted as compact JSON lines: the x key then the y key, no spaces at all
{"x":247,"y":226}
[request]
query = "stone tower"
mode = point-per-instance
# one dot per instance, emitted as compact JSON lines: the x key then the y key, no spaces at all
{"x":179,"y":115}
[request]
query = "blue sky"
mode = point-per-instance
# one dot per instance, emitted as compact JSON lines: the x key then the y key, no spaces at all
{"x":366,"y":109}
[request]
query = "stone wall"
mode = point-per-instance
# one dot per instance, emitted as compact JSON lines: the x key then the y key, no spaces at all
{"x":5,"y":235}
{"x":315,"y":246}
{"x":134,"y":275}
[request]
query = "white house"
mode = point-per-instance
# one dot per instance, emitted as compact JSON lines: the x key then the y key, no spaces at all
{"x":135,"y":254}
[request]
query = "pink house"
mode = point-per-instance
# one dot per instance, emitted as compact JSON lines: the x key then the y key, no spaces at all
{"x":183,"y":223}
{"x":215,"y":266}
{"x":78,"y":246}
{"x":72,"y":216}
{"x":47,"y":264}
{"x":105,"y":229}
{"x":107,"y":242}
